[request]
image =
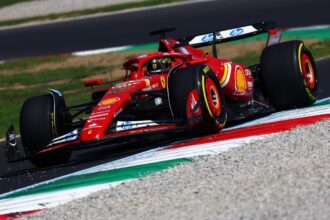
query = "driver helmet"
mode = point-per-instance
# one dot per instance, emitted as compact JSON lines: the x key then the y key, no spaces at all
{"x":157,"y":66}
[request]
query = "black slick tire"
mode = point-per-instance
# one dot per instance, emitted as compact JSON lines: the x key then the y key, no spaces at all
{"x":206,"y":113}
{"x":37,"y":126}
{"x":288,"y":75}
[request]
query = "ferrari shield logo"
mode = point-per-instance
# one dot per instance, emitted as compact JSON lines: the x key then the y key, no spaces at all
{"x":163,"y":81}
{"x":154,"y":66}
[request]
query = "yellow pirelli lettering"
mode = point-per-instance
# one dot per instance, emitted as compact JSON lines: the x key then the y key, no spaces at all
{"x":205,"y":98}
{"x":206,"y":69}
{"x":299,"y":57}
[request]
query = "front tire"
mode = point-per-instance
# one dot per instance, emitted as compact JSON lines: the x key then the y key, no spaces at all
{"x":288,"y":75}
{"x":38,"y":128}
{"x":196,"y":98}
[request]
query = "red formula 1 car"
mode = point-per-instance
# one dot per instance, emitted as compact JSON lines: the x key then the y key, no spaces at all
{"x":178,"y":89}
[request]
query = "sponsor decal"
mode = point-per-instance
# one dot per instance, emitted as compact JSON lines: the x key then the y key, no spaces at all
{"x":98,"y":115}
{"x":99,"y":112}
{"x":92,"y":125}
{"x":153,"y":86}
{"x":73,"y":135}
{"x":158,"y":101}
{"x":163,"y":81}
{"x":240,"y":81}
{"x":96,"y":119}
{"x":127,"y":85}
{"x":222,"y":34}
{"x":121,"y":86}
{"x":154,"y":66}
{"x":208,"y":37}
{"x":109,"y":101}
{"x":102,"y":108}
{"x":118,"y":90}
{"x":236,"y":32}
{"x":127,"y":125}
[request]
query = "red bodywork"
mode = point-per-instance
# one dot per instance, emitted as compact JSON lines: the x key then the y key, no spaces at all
{"x":235,"y":79}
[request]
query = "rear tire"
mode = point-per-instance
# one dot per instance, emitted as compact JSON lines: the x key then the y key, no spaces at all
{"x":37,"y":123}
{"x":195,"y":97}
{"x":288,"y":75}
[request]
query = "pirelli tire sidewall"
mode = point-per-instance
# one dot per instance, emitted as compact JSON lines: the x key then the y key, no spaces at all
{"x":282,"y":78}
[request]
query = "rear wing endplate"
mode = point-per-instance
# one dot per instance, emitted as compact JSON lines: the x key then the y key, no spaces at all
{"x":227,"y":35}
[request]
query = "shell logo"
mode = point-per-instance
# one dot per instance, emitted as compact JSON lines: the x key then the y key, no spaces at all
{"x":241,"y":83}
{"x":109,"y":101}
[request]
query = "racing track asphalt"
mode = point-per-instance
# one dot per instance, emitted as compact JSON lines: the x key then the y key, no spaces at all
{"x":20,"y":174}
{"x":133,"y":27}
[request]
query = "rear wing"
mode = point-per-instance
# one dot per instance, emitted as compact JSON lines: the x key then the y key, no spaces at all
{"x":232,"y":34}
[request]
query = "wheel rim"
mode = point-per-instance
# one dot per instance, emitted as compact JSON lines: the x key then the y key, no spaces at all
{"x":308,"y":71}
{"x":213,"y":97}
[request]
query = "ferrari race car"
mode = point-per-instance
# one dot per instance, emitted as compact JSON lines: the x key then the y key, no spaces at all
{"x":179,"y":89}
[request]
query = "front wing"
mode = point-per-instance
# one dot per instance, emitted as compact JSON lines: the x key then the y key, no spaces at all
{"x":124,"y":131}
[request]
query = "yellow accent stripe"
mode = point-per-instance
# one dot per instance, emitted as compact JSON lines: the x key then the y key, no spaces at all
{"x":204,"y":94}
{"x":225,"y":74}
{"x":299,"y":57}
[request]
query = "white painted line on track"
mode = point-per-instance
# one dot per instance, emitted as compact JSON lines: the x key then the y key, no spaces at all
{"x":309,"y":28}
{"x":101,"y":51}
{"x":49,"y":199}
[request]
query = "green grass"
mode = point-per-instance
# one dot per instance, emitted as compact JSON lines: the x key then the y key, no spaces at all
{"x":111,"y":8}
{"x":46,"y":76}
{"x":12,"y":99}
{"x":30,"y":62}
{"x":4,"y":3}
{"x":320,"y":49}
{"x":248,"y":59}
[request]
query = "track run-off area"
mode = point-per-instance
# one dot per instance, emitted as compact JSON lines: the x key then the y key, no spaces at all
{"x":61,"y":190}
